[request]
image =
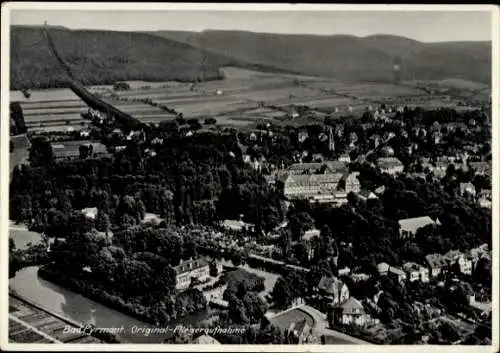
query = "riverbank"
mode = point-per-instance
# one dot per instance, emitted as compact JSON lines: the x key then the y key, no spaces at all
{"x":186,"y":303}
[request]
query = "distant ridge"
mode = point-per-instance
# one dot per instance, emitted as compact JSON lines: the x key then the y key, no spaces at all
{"x":348,"y":57}
{"x":104,"y":57}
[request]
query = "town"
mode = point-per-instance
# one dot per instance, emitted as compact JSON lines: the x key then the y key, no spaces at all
{"x":356,"y":221}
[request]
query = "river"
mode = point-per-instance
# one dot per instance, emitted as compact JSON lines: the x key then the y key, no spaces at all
{"x":74,"y":306}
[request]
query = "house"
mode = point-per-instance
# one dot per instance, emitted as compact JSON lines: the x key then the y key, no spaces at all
{"x":90,"y":212}
{"x":481,"y":168}
{"x":380,"y":190}
{"x":367,"y":195}
{"x":358,"y":277}
{"x":344,"y":158}
{"x":467,"y":189}
{"x":301,"y":331}
{"x":350,"y":312}
{"x":383,"y":268}
{"x":397,"y":273}
{"x":435,"y":263}
{"x":205,"y":339}
{"x":71,"y":149}
{"x":351,"y":182}
{"x":415,"y":272}
{"x":484,"y":198}
{"x":477,"y":253}
{"x":344,"y":271}
{"x":238,"y":226}
{"x":334,"y":289}
{"x":390,"y":165}
{"x":456,"y":257}
{"x":408,"y":227}
{"x":190,"y":270}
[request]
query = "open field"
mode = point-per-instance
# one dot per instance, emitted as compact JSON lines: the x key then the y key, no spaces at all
{"x":233,"y":101}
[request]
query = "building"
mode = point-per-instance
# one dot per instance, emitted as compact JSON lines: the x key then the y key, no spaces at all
{"x":478,"y":253}
{"x":415,"y":272}
{"x":383,"y":268}
{"x":484,"y":198}
{"x":380,"y":190}
{"x":90,"y":212}
{"x":71,"y":149}
{"x":435,"y":263}
{"x":390,"y":165}
{"x":306,"y":186}
{"x":463,"y":261}
{"x":318,"y":167}
{"x":352,"y":183}
{"x":237,"y":226}
{"x":336,"y":199}
{"x":408,"y":227}
{"x":397,"y":273}
{"x":367,"y":195}
{"x":350,"y":312}
{"x":344,"y":158}
{"x":190,"y":270}
{"x":333,"y":179}
{"x":481,"y":168}
{"x":205,"y":339}
{"x":334,"y":289}
{"x":467,"y":189}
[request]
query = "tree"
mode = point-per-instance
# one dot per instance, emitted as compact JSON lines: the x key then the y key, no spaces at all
{"x":41,"y":153}
{"x":102,"y":222}
{"x":282,"y":293}
{"x":299,"y":223}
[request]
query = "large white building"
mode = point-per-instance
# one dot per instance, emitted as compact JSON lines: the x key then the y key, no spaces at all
{"x":190,"y":270}
{"x":408,"y":227}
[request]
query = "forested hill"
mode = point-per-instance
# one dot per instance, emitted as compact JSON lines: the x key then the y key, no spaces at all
{"x":348,"y":57}
{"x":104,"y":57}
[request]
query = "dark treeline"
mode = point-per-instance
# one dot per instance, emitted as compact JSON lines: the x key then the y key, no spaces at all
{"x":190,"y":180}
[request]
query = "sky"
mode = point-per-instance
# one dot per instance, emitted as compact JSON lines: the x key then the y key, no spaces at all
{"x":425,"y":26}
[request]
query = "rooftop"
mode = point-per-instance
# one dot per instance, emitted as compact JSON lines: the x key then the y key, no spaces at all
{"x":388,"y":162}
{"x":411,"y":266}
{"x":331,"y":285}
{"x":435,"y":260}
{"x":190,"y":265}
{"x":413,"y":224}
{"x":396,"y":271}
{"x":205,"y":339}
{"x":352,"y":303}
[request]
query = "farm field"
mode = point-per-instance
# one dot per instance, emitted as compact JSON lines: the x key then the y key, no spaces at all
{"x":233,"y":101}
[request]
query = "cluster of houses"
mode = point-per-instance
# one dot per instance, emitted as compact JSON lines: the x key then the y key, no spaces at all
{"x":435,"y":264}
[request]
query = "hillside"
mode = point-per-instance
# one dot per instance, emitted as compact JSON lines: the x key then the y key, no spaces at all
{"x":349,"y":57}
{"x":104,"y":57}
